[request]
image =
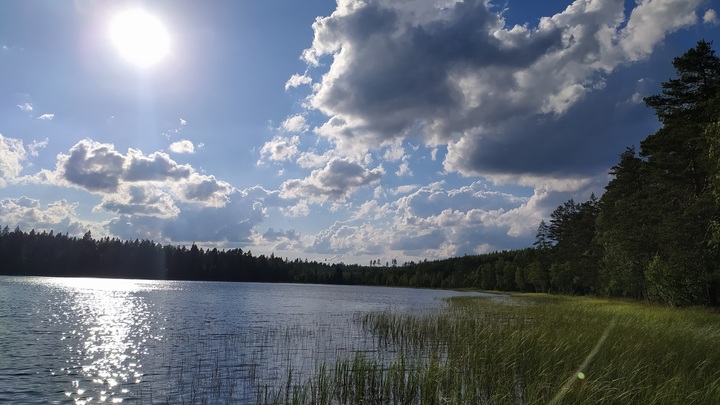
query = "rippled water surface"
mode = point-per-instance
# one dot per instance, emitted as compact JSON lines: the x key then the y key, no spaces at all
{"x":65,"y":340}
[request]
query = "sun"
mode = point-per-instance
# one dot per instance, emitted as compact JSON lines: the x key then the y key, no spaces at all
{"x":139,"y":37}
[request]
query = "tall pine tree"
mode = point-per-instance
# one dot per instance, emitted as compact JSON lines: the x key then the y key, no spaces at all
{"x":656,"y":217}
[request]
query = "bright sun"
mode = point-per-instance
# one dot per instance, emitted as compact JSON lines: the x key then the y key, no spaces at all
{"x":139,"y":37}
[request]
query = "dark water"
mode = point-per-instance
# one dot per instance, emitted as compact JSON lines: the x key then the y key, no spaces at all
{"x":88,"y":341}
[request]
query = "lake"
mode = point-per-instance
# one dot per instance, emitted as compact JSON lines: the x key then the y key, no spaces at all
{"x":85,"y":340}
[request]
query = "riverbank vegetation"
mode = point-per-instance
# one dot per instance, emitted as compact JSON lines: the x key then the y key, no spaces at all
{"x":653,"y":235}
{"x":528,"y":349}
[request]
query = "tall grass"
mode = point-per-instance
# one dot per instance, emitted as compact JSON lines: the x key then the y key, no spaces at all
{"x":526,"y":350}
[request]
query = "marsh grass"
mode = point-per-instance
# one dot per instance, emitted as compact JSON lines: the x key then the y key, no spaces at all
{"x":529,"y":349}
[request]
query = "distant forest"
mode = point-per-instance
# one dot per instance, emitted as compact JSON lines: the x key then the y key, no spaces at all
{"x":653,"y":235}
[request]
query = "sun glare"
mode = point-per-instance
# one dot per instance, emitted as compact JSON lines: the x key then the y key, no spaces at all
{"x":139,"y":37}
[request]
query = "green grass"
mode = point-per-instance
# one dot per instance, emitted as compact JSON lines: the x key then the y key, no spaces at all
{"x":526,"y":350}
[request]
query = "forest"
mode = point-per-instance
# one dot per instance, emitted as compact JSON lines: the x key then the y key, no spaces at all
{"x":653,"y":235}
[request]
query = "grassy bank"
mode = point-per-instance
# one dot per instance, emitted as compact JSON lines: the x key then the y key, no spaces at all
{"x":531,"y":349}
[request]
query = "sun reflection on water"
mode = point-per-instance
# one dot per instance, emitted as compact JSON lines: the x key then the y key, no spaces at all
{"x":109,"y":343}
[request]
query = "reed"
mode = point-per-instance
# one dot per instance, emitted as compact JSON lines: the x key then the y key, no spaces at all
{"x":530,"y":349}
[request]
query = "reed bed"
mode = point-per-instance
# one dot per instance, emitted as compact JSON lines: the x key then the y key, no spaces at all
{"x":532,"y":349}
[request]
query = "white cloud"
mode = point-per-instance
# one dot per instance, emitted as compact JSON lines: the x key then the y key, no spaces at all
{"x":297,"y":80}
{"x":46,"y":117}
{"x":335,"y":182}
{"x":404,"y":169}
{"x":12,"y":154}
{"x":310,"y":160}
{"x":296,"y":123}
{"x":27,"y":107}
{"x":409,"y":188}
{"x":651,"y":21}
{"x":60,"y":216}
{"x":394,"y":152}
{"x":183,"y":146}
{"x":134,"y":183}
{"x":280,"y":148}
{"x":183,"y":122}
{"x":343,"y":238}
{"x":35,"y":145}
{"x":371,"y":210}
{"x":710,"y":17}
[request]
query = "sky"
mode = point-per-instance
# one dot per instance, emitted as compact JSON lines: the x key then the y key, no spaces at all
{"x":344,"y":131}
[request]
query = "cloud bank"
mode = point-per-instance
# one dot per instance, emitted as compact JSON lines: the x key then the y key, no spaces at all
{"x":457,"y":74}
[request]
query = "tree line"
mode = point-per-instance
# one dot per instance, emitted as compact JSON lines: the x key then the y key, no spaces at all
{"x":653,"y":235}
{"x":50,"y":254}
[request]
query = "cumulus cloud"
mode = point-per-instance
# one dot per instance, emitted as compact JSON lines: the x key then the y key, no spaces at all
{"x":134,"y":183}
{"x":232,"y":223}
{"x":155,"y":167}
{"x":27,"y":107}
{"x":457,"y":74}
{"x":434,"y":221}
{"x":92,"y":165}
{"x":310,"y":160}
{"x":280,"y":148}
{"x":205,"y":190}
{"x":12,"y":154}
{"x":371,"y":210}
{"x":46,"y":117}
{"x":334,"y":182}
{"x":137,"y":200}
{"x":404,"y":169}
{"x":60,"y":216}
{"x":296,"y":123}
{"x":343,"y":238}
{"x":183,"y":146}
{"x":651,"y":21}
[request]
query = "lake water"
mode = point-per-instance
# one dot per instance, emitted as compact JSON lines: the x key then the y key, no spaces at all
{"x":68,"y":340}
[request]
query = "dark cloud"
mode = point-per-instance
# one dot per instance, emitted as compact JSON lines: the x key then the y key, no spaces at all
{"x":232,"y":223}
{"x":130,"y":181}
{"x":207,"y":189}
{"x":583,"y":142}
{"x":522,"y":99}
{"x":26,"y":202}
{"x":141,"y":201}
{"x":414,"y":244}
{"x":155,"y":167}
{"x":273,"y":236}
{"x":94,"y":166}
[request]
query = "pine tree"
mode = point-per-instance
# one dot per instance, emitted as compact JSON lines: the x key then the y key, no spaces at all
{"x":678,"y":204}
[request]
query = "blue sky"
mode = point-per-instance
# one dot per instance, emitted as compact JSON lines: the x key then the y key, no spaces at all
{"x":348,"y":131}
